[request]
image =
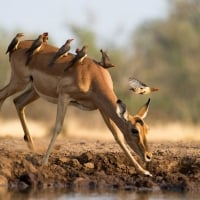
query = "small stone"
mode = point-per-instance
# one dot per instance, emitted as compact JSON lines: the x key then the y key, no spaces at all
{"x":22,"y":186}
{"x":86,"y":157}
{"x":81,"y":182}
{"x":131,"y":170}
{"x":64,"y":159}
{"x":89,"y":165}
{"x":75,"y":163}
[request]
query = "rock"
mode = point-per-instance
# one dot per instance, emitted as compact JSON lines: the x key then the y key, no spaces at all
{"x":22,"y":185}
{"x":64,"y":159}
{"x":29,"y":179}
{"x":81,"y":182}
{"x":89,"y":165}
{"x":85,"y":157}
{"x":75,"y":163}
{"x":131,"y":170}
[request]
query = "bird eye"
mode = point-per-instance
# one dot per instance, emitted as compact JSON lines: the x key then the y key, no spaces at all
{"x":134,"y":131}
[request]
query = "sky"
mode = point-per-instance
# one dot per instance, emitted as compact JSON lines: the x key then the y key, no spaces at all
{"x":112,"y":20}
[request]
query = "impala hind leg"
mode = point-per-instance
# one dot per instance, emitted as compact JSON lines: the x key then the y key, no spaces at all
{"x":10,"y":89}
{"x":61,"y":110}
{"x":20,"y":103}
{"x":120,"y":140}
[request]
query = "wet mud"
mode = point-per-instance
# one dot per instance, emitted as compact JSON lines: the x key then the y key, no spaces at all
{"x":79,"y":164}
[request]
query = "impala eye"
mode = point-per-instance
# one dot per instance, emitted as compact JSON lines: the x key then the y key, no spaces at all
{"x":134,"y":131}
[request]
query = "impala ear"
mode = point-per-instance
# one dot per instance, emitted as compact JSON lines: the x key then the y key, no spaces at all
{"x":121,"y":110}
{"x":144,"y":110}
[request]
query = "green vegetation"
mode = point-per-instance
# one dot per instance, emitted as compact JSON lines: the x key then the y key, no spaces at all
{"x":167,"y":54}
{"x":162,"y":53}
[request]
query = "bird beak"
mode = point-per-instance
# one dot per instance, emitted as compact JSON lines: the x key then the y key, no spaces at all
{"x":155,"y":89}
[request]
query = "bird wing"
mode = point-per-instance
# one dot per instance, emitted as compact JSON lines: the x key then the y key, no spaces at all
{"x":34,"y":46}
{"x":61,"y":51}
{"x":134,"y":83}
{"x":11,"y":45}
{"x":80,"y":54}
{"x":106,"y":57}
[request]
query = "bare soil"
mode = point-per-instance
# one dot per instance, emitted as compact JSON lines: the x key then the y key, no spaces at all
{"x":97,"y":165}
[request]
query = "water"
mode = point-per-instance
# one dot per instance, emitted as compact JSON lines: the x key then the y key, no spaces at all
{"x":94,"y":195}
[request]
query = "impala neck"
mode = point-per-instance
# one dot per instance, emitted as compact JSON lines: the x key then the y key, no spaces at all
{"x":107,"y":104}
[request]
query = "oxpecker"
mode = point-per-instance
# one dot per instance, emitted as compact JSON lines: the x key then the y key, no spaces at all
{"x":14,"y":43}
{"x":61,"y":52}
{"x":105,"y":60}
{"x":81,"y":54}
{"x":139,"y":87}
{"x":35,"y":47}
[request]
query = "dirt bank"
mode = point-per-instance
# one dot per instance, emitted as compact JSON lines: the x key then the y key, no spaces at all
{"x":98,"y":165}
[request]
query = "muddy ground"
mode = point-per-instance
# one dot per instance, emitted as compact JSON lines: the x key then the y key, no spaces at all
{"x":97,"y":165}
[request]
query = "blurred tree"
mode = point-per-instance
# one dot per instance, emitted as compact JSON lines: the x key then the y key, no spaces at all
{"x":167,"y":53}
{"x":4,"y":63}
{"x":85,"y":36}
{"x":162,"y":53}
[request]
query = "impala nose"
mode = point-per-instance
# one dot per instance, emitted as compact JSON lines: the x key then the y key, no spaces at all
{"x":148,"y":156}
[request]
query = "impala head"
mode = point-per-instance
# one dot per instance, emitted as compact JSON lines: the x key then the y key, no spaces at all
{"x":137,"y":129}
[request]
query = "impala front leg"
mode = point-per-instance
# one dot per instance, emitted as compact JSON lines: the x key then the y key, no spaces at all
{"x":63,"y":101}
{"x":120,"y":140}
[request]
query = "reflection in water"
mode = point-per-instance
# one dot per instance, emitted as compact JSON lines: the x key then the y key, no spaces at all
{"x":63,"y":194}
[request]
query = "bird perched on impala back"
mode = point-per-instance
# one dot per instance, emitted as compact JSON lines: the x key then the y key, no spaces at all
{"x":105,"y":60}
{"x":77,"y":50}
{"x":45,"y":37}
{"x":61,"y":52}
{"x":81,"y":54}
{"x":14,"y":43}
{"x":35,"y":47}
{"x":140,"y":88}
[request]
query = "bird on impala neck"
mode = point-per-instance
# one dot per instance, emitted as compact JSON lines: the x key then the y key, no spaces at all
{"x":77,"y":50}
{"x":139,"y":87}
{"x":80,"y":55}
{"x":14,"y":43}
{"x":35,"y":47}
{"x":45,"y":37}
{"x":61,"y":52}
{"x":105,"y":60}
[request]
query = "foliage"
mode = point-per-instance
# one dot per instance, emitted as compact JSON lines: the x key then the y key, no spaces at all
{"x":163,"y":53}
{"x":167,"y":54}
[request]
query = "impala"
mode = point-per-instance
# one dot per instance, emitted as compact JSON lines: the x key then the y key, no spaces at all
{"x":87,"y":86}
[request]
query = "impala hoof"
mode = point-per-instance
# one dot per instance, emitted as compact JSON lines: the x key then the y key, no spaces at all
{"x":147,"y":173}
